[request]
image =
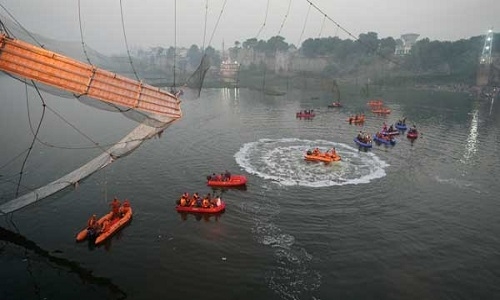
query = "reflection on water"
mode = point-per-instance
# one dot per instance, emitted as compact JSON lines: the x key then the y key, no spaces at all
{"x":38,"y":258}
{"x":471,"y":143}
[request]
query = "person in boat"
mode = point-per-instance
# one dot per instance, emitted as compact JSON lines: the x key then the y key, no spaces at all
{"x":213,"y":201}
{"x":193,"y":202}
{"x":316,"y":151}
{"x":227,"y":175}
{"x":105,"y":226}
{"x":403,"y":122}
{"x":199,"y":202}
{"x":93,"y":225}
{"x":333,"y":152}
{"x":385,"y":127}
{"x":115,"y":208}
{"x":184,"y":199}
{"x":124,"y":208}
{"x":360,"y":135}
{"x":218,"y":177}
{"x":206,"y":201}
{"x":391,"y":128}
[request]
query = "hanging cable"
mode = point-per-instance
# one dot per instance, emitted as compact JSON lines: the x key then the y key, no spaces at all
{"x":21,"y":26}
{"x":286,"y":16}
{"x":126,"y":42}
{"x":350,"y":34}
{"x":32,"y":143}
{"x":265,"y":20}
{"x":217,"y":23}
{"x":205,"y":28}
{"x":304,"y":27}
{"x":175,"y":41}
{"x":81,"y":33}
{"x":322,"y":26}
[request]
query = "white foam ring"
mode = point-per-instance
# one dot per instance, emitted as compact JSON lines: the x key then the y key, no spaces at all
{"x":282,"y":161}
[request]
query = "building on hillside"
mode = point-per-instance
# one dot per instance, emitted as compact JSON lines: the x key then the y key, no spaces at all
{"x":229,"y":69}
{"x":403,"y":47}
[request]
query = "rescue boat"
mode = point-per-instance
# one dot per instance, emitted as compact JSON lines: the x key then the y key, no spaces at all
{"x":202,"y":210}
{"x":82,"y":235}
{"x":322,"y":156}
{"x":115,"y":225}
{"x":234,"y":180}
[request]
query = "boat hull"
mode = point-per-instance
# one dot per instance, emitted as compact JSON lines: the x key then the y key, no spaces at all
{"x":401,"y":127}
{"x":84,"y":233}
{"x":384,"y":141}
{"x":307,"y":116}
{"x":235,"y":180}
{"x":115,"y":226}
{"x":361,"y":144}
{"x":322,"y":158}
{"x":201,"y":210}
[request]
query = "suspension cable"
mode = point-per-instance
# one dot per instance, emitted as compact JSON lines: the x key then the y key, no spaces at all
{"x":265,"y":20}
{"x":286,"y":16}
{"x":126,"y":42}
{"x":81,"y":33}
{"x":322,"y":26}
{"x":30,"y":148}
{"x":304,"y":27}
{"x":217,"y":23}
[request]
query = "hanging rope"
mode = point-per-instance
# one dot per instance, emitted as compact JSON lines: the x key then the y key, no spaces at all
{"x":81,"y":33}
{"x":126,"y":42}
{"x":205,"y":27}
{"x":217,"y":23}
{"x":265,"y":20}
{"x":304,"y":27}
{"x":350,"y":34}
{"x":21,"y":26}
{"x":32,"y":142}
{"x":286,"y":16}
{"x":175,"y":42}
{"x":322,"y":25}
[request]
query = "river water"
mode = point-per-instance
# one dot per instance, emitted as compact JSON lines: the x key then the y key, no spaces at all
{"x":413,"y":221}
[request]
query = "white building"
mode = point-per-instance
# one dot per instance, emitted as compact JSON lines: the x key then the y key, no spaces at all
{"x":407,"y":42}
